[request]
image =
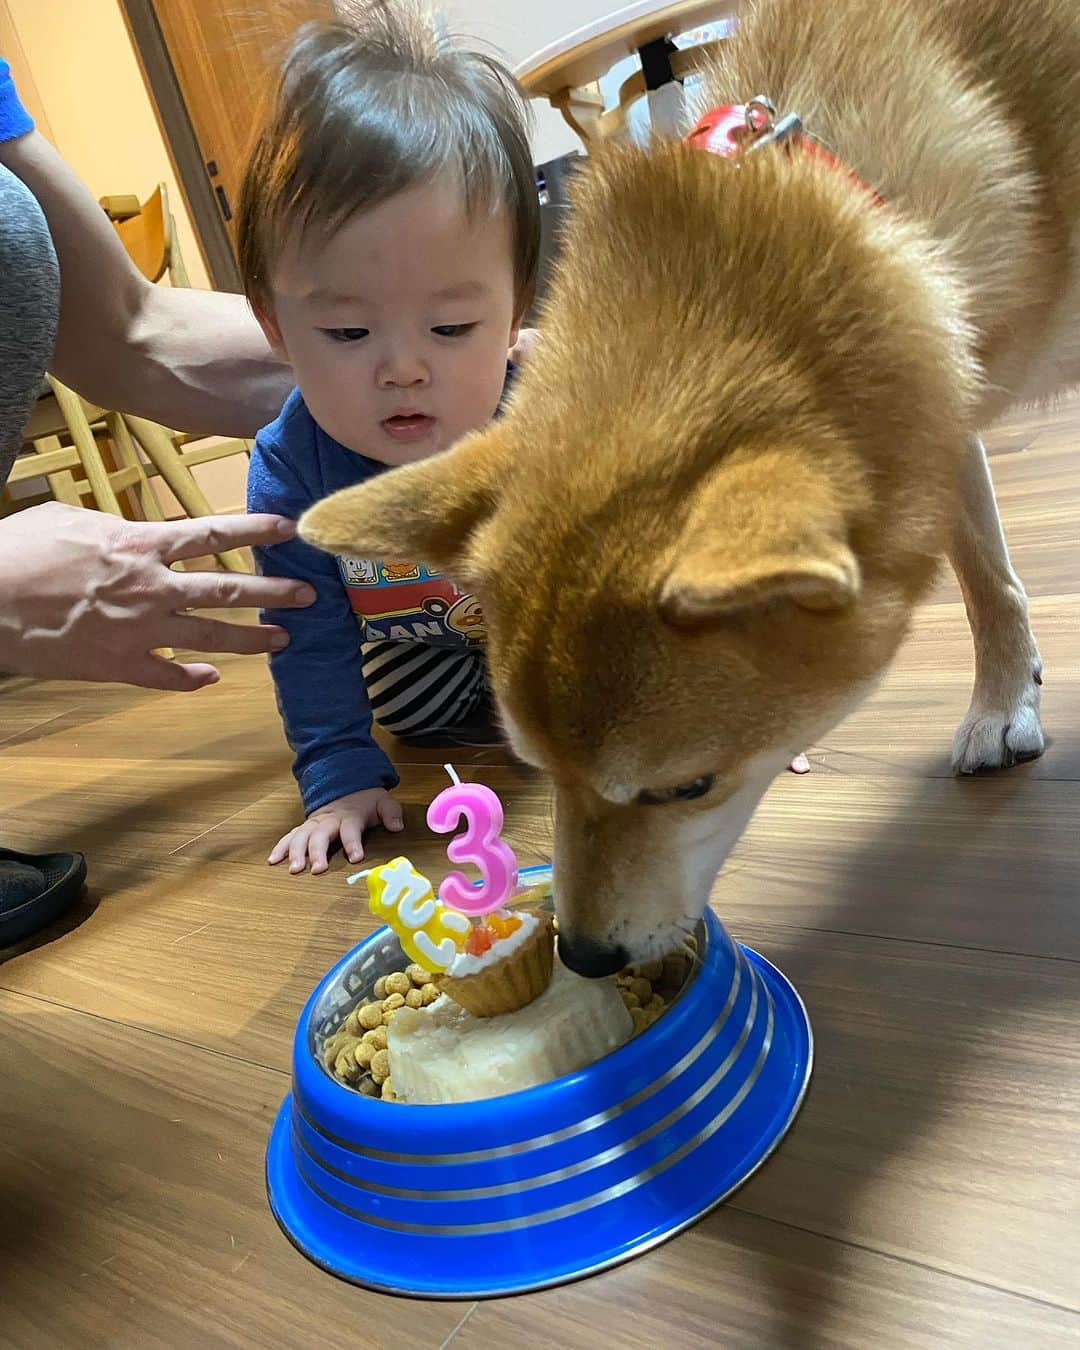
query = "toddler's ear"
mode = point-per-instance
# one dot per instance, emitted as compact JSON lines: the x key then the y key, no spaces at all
{"x":271,"y":331}
{"x":425,"y":512}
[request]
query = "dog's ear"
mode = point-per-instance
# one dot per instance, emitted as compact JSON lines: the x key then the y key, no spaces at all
{"x":424,"y":512}
{"x":764,"y":529}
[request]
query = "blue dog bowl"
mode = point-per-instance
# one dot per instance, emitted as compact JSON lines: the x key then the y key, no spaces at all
{"x":539,"y":1187}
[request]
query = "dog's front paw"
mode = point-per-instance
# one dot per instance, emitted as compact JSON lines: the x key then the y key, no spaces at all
{"x":997,"y":738}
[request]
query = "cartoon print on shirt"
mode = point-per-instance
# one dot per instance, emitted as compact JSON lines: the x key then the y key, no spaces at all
{"x":359,"y":571}
{"x":407,"y":602}
{"x":395,"y":572}
{"x":464,"y":616}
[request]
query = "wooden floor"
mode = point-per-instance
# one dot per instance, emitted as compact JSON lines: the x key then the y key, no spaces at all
{"x":928,"y":1196}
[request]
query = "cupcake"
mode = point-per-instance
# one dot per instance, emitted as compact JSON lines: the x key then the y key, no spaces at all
{"x":507,"y":962}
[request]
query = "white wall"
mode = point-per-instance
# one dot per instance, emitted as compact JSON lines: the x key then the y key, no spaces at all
{"x":518,"y":28}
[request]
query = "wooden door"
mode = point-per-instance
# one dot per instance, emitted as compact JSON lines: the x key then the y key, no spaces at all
{"x":225,"y":54}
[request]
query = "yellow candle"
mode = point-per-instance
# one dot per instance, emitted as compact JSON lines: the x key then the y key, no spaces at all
{"x":431,"y":934}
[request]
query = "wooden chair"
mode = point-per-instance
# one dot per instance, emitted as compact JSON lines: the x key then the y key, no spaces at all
{"x":173,"y":456}
{"x":148,"y":233}
{"x":64,"y":421}
{"x":64,"y":430}
{"x":567,"y":73}
{"x":53,"y":455}
{"x":47,"y":456}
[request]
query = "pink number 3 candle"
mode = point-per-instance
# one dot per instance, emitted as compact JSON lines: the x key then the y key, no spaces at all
{"x":480,"y":845}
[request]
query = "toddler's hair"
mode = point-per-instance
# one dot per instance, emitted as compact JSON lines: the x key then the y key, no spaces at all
{"x":369,"y":104}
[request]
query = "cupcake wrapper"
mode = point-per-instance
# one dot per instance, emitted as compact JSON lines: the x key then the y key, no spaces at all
{"x":507,"y":985}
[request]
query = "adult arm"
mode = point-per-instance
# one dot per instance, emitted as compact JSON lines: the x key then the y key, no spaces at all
{"x":192,"y":360}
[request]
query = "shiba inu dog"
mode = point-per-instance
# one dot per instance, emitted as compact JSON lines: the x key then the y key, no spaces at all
{"x":751,"y":431}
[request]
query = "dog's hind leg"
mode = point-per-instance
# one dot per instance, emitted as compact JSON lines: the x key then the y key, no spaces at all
{"x":1002,"y":725}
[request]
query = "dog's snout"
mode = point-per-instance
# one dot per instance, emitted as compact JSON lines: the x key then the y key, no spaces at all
{"x":585,"y":956}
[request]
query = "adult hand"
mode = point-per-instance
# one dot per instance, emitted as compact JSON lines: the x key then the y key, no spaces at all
{"x":346,"y":818}
{"x":88,"y":596}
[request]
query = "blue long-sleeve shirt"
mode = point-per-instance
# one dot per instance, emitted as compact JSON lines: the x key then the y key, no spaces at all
{"x":319,"y":677}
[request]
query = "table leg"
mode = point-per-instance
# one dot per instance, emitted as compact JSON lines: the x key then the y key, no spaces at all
{"x":581,"y":110}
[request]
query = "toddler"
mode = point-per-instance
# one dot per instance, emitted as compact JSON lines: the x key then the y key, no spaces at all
{"x":388,"y":238}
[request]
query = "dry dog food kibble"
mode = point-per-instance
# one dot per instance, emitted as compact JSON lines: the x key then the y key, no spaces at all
{"x":641,"y":989}
{"x":356,"y":1054}
{"x":380,"y":1066}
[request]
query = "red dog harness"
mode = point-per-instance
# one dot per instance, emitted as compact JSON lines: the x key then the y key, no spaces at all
{"x":738,"y":129}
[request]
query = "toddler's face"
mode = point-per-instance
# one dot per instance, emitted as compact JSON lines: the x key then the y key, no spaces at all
{"x":399,"y":325}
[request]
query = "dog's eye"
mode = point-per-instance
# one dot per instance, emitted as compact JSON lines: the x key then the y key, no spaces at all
{"x":685,"y":792}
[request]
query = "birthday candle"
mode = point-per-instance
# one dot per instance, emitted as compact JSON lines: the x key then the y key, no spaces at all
{"x":431,"y":934}
{"x":479,"y":844}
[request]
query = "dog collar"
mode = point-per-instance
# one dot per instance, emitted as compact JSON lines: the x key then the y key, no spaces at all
{"x":738,"y":129}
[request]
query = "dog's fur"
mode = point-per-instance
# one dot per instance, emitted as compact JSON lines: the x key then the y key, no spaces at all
{"x":751,"y":431}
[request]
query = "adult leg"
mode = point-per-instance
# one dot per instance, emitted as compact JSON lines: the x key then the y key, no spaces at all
{"x":34,"y":889}
{"x":29,"y":305}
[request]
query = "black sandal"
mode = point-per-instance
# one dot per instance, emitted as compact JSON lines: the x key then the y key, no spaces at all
{"x":35,"y":889}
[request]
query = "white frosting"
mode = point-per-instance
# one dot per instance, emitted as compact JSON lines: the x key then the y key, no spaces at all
{"x":466,"y":964}
{"x":441,"y":1053}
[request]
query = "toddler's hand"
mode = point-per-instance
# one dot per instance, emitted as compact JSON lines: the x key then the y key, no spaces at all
{"x":346,"y":818}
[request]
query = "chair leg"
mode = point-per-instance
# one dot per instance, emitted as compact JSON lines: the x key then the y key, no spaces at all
{"x":148,"y":500}
{"x":62,"y":484}
{"x":178,"y":274}
{"x":89,"y":456}
{"x":581,"y":109}
{"x":164,"y":456}
{"x":129,"y":457}
{"x":96,"y":473}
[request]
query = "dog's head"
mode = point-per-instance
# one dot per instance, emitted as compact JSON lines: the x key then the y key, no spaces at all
{"x":689,"y":564}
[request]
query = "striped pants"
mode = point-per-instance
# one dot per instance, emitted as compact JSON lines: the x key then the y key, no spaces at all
{"x":418,"y":689}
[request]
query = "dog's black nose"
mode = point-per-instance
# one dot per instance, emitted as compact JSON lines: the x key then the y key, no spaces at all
{"x":594,"y":960}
